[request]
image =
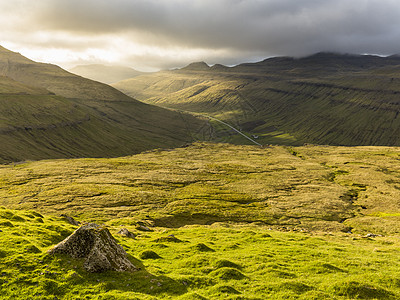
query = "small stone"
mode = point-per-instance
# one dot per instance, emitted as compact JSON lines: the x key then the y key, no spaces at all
{"x":372,"y":235}
{"x":142,"y":228}
{"x":125,"y":232}
{"x":70,"y":220}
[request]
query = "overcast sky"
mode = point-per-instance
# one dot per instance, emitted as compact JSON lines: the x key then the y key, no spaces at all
{"x":158,"y":34}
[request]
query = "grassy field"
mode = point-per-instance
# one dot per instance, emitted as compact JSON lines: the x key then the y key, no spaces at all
{"x":309,"y":187}
{"x":219,"y":261}
{"x":228,"y":222}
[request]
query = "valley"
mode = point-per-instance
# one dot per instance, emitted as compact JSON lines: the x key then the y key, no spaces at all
{"x":271,"y":180}
{"x":47,"y":112}
{"x":322,"y":99}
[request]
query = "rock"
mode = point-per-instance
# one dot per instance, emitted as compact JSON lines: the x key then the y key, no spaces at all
{"x":142,"y":227}
{"x":98,"y":247}
{"x":70,"y":220}
{"x":372,"y":235}
{"x":125,"y":232}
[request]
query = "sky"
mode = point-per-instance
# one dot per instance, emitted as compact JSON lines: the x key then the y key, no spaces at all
{"x":150,"y":35}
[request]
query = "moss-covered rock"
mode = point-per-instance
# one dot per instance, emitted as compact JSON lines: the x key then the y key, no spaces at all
{"x":98,"y":247}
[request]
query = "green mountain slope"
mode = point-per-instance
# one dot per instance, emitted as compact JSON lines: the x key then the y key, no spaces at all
{"x":105,"y":74}
{"x":325,"y":98}
{"x":54,"y":78}
{"x":46,"y":112}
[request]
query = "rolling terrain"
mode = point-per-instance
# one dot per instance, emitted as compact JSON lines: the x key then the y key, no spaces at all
{"x":105,"y":74}
{"x":324,"y":99}
{"x":205,"y":220}
{"x":310,"y":187}
{"x":47,"y":112}
{"x":209,"y":221}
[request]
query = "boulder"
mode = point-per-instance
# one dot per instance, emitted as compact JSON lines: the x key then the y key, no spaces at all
{"x":98,"y":247}
{"x":125,"y":232}
{"x":70,"y":220}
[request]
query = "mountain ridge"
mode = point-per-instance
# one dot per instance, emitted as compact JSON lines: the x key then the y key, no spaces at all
{"x":54,"y":78}
{"x":325,"y":98}
{"x":47,"y":112}
{"x":105,"y":74}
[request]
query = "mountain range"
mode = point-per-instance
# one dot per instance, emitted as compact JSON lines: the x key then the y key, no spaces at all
{"x":326,"y":98}
{"x":105,"y":74}
{"x":47,"y":112}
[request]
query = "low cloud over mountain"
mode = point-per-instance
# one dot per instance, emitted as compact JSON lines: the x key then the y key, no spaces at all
{"x":161,"y":34}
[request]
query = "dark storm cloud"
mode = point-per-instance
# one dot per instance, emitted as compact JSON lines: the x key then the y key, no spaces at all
{"x":172,"y":33}
{"x":293,"y":27}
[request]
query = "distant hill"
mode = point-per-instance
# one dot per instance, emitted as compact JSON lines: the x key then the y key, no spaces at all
{"x":197,"y":66}
{"x":47,"y":112}
{"x":105,"y":74}
{"x":326,"y":98}
{"x":54,"y":78}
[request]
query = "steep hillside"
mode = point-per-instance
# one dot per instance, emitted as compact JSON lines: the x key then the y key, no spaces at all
{"x":46,"y":112}
{"x":54,"y":78}
{"x":105,"y":74}
{"x":325,"y":98}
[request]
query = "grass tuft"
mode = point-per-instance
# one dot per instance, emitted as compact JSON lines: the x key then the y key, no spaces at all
{"x":202,"y":248}
{"x":226,"y":273}
{"x":149,"y":254}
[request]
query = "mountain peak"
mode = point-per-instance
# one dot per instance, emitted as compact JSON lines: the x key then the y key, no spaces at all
{"x":197,"y":66}
{"x":330,"y":55}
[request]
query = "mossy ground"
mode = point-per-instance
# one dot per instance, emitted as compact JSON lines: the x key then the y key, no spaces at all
{"x":246,"y":262}
{"x":310,"y":188}
{"x":227,"y":222}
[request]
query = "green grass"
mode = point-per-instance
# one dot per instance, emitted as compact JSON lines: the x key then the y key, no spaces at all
{"x":310,"y":187}
{"x":246,"y":262}
{"x":226,"y":221}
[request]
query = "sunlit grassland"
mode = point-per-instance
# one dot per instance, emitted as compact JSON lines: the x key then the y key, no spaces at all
{"x":219,"y":261}
{"x":229,"y":222}
{"x":311,"y":187}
